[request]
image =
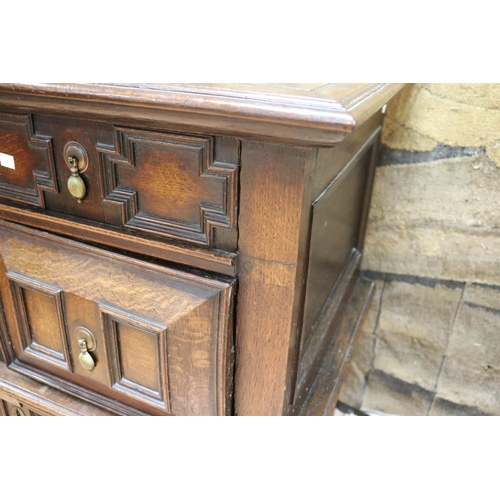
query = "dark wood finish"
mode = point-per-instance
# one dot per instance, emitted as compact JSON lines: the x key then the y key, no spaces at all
{"x":311,"y":114}
{"x":324,"y":390}
{"x":273,"y":241}
{"x":34,"y":170}
{"x":169,"y":185}
{"x":314,"y":347}
{"x":139,"y":313}
{"x":208,"y":259}
{"x":331,"y":161}
{"x":233,"y":235}
{"x":334,"y":233}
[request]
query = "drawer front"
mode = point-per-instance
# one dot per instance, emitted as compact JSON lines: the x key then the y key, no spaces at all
{"x":171,"y":186}
{"x":27,"y":166}
{"x":15,"y":409}
{"x":156,"y":339}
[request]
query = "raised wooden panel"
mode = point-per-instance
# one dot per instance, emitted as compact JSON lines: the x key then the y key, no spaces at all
{"x":163,"y":337}
{"x":39,"y":310}
{"x":137,"y":357}
{"x":138,"y":349}
{"x":169,"y":185}
{"x":31,"y":169}
{"x":334,"y":234}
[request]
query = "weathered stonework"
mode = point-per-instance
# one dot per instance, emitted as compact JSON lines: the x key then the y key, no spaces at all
{"x":438,"y":219}
{"x":413,"y":334}
{"x":433,"y":237}
{"x":423,"y":115}
{"x":471,"y":370}
{"x":443,"y":408}
{"x":392,"y":396}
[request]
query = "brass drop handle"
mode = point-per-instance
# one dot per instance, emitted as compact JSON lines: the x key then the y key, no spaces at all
{"x":76,"y":186}
{"x":84,"y":357}
{"x":18,"y":412}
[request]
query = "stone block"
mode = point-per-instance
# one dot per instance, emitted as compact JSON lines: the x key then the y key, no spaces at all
{"x":437,"y":219}
{"x":483,"y":95}
{"x":483,"y":295}
{"x":420,"y":312}
{"x":390,"y":395}
{"x":410,"y":359}
{"x":442,"y":408}
{"x":414,"y":326}
{"x":451,"y":114}
{"x":471,"y":370}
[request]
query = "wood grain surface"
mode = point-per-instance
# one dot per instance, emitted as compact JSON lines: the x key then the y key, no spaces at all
{"x":225,"y":224}
{"x":312,"y":115}
{"x":157,"y":330}
{"x":273,"y":239}
{"x":20,"y":390}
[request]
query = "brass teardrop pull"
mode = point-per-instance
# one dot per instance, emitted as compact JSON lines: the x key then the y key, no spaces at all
{"x":84,"y":357}
{"x":18,"y":412}
{"x":76,"y":186}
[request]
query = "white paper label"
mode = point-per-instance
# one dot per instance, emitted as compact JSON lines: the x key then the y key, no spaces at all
{"x":7,"y":161}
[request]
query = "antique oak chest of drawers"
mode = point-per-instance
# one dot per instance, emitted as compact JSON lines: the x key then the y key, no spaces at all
{"x":182,"y":249}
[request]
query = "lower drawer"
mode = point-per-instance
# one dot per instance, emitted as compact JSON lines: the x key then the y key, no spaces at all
{"x":21,"y":396}
{"x":127,"y":335}
{"x":16,"y":409}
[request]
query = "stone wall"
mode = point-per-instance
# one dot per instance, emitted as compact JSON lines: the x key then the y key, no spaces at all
{"x":431,"y":342}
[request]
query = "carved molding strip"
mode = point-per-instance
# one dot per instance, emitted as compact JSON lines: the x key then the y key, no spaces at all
{"x":45,"y":180}
{"x":6,"y":354}
{"x":218,"y":213}
{"x":75,"y":390}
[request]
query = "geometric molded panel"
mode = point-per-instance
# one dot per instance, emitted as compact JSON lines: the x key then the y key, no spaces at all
{"x":39,"y":310}
{"x":168,"y":185}
{"x":31,"y":168}
{"x":137,"y":357}
{"x":163,"y":336}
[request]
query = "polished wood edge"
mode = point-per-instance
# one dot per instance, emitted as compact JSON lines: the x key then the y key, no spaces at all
{"x":195,"y":280}
{"x":369,"y":143}
{"x":324,"y":392}
{"x":374,"y":143}
{"x":334,"y":308}
{"x":43,"y":399}
{"x":209,"y":260}
{"x":306,"y":121}
{"x":224,"y":379}
{"x":6,"y":350}
{"x":77,"y":391}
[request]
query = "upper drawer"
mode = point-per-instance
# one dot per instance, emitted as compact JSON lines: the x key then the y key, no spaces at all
{"x":174,"y":186}
{"x":156,"y":338}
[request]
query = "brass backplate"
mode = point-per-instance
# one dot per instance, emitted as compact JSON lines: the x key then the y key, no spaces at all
{"x":83,"y":333}
{"x":78,"y":151}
